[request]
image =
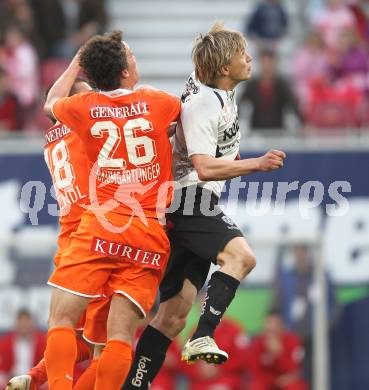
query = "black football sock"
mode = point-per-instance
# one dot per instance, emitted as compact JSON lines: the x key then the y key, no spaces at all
{"x":149,"y":357}
{"x":219,"y":294}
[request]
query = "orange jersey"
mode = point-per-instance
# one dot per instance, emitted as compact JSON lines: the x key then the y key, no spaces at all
{"x":124,"y":134}
{"x":68,"y":166}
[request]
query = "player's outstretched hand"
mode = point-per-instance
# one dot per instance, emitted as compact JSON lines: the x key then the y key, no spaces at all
{"x":272,"y":160}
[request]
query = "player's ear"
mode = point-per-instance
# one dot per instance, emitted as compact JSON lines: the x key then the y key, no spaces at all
{"x":125,"y":74}
{"x":224,"y":70}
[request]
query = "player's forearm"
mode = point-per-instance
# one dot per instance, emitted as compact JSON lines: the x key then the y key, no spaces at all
{"x":210,"y":168}
{"x":220,"y":169}
{"x":62,"y":85}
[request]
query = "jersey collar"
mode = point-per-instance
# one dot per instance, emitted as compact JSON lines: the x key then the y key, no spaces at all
{"x":116,"y":92}
{"x":227,"y":93}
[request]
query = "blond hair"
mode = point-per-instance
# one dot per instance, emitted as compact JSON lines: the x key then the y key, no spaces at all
{"x":214,"y":50}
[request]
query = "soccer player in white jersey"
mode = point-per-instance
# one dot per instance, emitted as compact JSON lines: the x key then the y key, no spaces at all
{"x":205,"y":152}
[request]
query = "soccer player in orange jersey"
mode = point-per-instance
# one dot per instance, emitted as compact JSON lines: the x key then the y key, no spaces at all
{"x":64,"y":156}
{"x":120,"y":243}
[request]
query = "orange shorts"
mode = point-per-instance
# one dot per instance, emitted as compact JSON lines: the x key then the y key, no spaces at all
{"x":95,"y":331}
{"x":131,"y":263}
{"x":81,"y":322}
{"x":66,"y":230}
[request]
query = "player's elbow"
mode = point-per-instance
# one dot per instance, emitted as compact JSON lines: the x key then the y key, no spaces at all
{"x":48,"y":106}
{"x":204,"y":167}
{"x":47,"y":110}
{"x":204,"y":173}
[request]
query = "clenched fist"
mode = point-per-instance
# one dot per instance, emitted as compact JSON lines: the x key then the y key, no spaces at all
{"x":271,"y":160}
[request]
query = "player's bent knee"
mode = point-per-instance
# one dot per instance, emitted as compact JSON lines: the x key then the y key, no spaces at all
{"x":172,"y":314}
{"x":242,"y":263}
{"x":248,"y":261}
{"x":170,"y":325}
{"x":60,"y":316}
{"x":61,"y":321}
{"x":175,"y":324}
{"x":239,"y":262}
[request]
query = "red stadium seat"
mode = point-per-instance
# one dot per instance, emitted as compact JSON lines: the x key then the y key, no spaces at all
{"x":51,"y":69}
{"x":364,"y":115}
{"x":334,"y":108}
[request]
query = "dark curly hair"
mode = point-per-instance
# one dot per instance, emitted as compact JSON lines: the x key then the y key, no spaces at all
{"x":103,"y":58}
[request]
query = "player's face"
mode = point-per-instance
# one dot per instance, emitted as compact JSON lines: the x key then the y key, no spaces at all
{"x":133,"y":75}
{"x":240,"y":66}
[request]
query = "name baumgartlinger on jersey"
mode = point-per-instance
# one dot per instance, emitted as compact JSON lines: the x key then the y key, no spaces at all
{"x":129,"y":175}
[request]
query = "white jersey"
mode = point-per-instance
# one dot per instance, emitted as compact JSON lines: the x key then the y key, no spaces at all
{"x":208,"y":125}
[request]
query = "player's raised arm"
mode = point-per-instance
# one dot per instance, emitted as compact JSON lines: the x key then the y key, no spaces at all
{"x":62,"y":85}
{"x":211,"y":168}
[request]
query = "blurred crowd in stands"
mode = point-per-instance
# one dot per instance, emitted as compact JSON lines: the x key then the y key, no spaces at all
{"x":271,"y":360}
{"x":327,"y":81}
{"x":325,"y":86}
{"x":37,"y":38}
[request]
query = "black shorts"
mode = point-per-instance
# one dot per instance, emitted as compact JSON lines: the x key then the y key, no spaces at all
{"x":196,"y":241}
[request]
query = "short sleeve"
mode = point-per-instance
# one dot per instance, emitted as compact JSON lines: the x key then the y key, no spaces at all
{"x":199,"y":119}
{"x":174,"y":108}
{"x":166,"y":107}
{"x":65,"y":110}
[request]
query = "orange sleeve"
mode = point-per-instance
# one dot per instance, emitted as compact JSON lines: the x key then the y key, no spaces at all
{"x":166,"y":105}
{"x":174,"y":103}
{"x":65,"y":110}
